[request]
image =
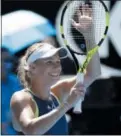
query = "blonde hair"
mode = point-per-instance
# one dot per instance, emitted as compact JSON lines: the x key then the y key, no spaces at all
{"x":22,"y":72}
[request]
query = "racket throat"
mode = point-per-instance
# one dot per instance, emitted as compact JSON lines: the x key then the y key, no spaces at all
{"x":74,"y":57}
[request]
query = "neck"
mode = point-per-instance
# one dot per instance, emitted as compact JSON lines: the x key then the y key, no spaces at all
{"x":40,"y":91}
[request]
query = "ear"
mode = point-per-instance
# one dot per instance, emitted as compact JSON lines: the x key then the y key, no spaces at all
{"x":32,"y":68}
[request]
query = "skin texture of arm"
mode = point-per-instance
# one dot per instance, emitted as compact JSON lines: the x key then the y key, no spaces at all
{"x":23,"y":110}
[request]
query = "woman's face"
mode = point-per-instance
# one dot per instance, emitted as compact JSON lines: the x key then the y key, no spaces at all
{"x":47,"y":70}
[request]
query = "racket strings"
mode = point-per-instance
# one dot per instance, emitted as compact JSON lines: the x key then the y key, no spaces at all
{"x":74,"y":38}
{"x":98,"y":20}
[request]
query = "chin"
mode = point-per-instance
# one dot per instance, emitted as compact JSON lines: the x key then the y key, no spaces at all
{"x":56,"y":79}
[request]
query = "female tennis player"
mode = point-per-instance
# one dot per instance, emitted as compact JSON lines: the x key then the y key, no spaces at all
{"x":41,"y":106}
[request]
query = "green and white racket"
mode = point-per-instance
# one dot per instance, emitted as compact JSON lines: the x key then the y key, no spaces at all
{"x":78,"y":24}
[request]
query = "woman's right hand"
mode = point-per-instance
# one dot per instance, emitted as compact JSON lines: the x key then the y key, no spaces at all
{"x":77,"y":92}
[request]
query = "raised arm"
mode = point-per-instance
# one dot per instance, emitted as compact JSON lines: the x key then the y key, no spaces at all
{"x":23,"y":109}
{"x":93,"y":71}
{"x":86,"y":27}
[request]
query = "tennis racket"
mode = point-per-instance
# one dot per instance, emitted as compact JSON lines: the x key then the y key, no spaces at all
{"x":79,"y":23}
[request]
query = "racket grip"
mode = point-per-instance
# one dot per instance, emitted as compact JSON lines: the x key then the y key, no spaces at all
{"x":80,"y":77}
{"x":78,"y":106}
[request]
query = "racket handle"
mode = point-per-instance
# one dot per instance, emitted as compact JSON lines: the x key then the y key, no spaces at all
{"x":80,"y":77}
{"x":78,"y":106}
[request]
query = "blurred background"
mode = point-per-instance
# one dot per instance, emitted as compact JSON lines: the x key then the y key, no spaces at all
{"x":25,"y":22}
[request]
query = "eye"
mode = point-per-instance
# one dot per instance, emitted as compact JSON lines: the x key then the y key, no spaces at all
{"x":58,"y":61}
{"x":49,"y":62}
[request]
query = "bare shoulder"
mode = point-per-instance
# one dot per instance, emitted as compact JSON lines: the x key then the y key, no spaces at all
{"x":20,"y":98}
{"x":22,"y":108}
